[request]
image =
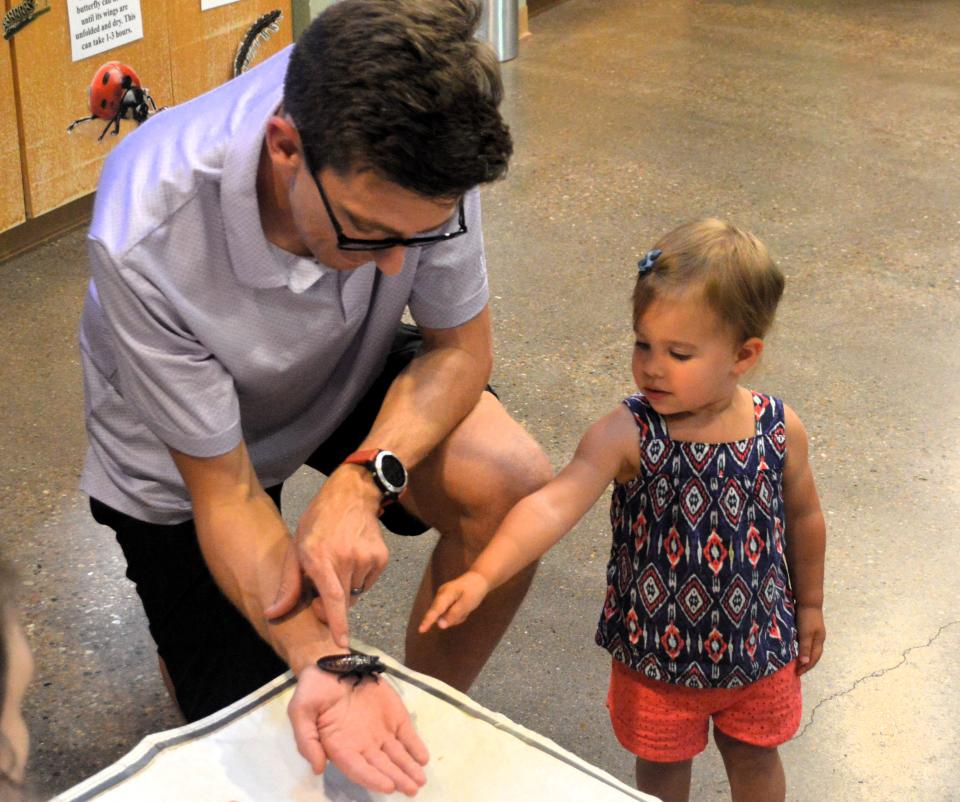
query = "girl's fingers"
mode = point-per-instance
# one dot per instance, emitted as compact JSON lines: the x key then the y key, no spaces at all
{"x":432,"y":617}
{"x":811,"y":649}
{"x":456,"y":614}
{"x":446,"y":597}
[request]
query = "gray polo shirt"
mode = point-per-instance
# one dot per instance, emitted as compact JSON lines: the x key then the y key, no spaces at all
{"x":197,"y":332}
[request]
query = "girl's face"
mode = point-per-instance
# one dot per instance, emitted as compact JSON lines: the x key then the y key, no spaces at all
{"x":685,"y":360}
{"x":12,"y":726}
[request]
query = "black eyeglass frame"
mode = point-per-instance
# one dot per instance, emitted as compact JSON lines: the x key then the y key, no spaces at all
{"x":345,"y":243}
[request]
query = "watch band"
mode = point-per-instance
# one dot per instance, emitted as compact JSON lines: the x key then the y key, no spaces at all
{"x":362,"y":457}
{"x":373,"y":459}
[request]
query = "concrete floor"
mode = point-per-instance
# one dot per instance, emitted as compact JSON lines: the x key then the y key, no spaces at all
{"x":824,"y":127}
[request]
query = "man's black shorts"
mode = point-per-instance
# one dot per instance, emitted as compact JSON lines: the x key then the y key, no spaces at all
{"x":212,"y":653}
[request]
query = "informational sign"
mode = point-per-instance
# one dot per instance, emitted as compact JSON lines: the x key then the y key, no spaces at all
{"x":99,"y":25}
{"x":206,"y":5}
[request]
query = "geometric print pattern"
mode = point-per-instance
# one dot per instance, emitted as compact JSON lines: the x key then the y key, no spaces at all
{"x":697,"y":588}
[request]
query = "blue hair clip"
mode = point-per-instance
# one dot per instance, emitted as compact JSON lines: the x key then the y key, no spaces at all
{"x":645,"y":265}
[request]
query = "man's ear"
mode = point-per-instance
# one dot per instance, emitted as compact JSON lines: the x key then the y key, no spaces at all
{"x":748,"y":354}
{"x":282,"y":141}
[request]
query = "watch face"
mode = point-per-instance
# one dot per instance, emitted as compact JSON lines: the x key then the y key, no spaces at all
{"x":392,"y":471}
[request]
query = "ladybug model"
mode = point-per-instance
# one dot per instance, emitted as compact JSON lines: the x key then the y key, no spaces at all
{"x":116,"y":94}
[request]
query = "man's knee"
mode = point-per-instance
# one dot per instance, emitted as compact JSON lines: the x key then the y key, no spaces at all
{"x":486,"y":467}
{"x":508,"y":473}
{"x":516,"y":470}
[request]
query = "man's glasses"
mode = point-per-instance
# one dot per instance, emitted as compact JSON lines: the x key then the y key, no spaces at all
{"x":345,"y":243}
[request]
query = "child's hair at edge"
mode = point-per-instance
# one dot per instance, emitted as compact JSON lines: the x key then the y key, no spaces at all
{"x":7,"y":583}
{"x":734,"y":271}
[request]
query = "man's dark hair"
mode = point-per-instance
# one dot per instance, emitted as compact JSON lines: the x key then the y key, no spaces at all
{"x":403,"y":88}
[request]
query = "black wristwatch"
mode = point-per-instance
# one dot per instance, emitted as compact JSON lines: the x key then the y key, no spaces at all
{"x":386,"y":469}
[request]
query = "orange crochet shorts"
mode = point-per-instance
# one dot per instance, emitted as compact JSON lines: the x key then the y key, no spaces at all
{"x":666,"y":723}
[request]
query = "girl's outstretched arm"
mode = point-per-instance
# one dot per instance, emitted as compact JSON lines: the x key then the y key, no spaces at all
{"x":610,"y":449}
{"x":806,"y":543}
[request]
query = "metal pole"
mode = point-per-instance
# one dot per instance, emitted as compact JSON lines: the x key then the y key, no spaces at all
{"x":499,"y":27}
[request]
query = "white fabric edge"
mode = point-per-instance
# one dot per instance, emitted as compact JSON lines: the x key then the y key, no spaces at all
{"x":152,"y":745}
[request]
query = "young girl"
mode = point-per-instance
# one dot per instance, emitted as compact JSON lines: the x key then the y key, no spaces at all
{"x":715,"y":579}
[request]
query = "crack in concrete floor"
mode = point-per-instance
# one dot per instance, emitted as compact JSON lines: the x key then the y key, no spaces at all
{"x":873,"y":675}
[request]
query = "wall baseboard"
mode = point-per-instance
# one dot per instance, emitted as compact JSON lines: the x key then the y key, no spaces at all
{"x":536,"y":6}
{"x":39,"y":230}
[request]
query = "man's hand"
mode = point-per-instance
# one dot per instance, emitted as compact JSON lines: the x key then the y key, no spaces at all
{"x":811,"y":633}
{"x":364,"y":730}
{"x":339,"y":547}
{"x":455,"y":600}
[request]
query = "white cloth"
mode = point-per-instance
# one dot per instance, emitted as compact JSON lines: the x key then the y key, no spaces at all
{"x":246,"y":753}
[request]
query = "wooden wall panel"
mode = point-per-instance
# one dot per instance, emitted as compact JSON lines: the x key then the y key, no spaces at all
{"x":183,"y":53}
{"x":11,"y":182}
{"x":203,"y":44}
{"x":60,"y":167}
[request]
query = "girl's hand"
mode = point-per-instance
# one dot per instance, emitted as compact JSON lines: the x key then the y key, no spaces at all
{"x":811,"y":634}
{"x":455,"y":600}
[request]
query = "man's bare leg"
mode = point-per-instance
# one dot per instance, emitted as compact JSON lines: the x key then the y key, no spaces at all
{"x":464,"y":489}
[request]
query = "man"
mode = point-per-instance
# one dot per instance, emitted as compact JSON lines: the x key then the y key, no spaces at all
{"x":252,"y":254}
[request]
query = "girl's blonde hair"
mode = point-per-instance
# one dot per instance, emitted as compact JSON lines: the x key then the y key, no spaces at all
{"x":733,"y":269}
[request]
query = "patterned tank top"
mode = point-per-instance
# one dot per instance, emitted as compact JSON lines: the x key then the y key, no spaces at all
{"x":698,"y":592}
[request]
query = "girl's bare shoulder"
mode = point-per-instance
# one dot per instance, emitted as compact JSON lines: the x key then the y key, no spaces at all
{"x":616,"y":438}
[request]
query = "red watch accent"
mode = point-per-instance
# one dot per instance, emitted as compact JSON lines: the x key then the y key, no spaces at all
{"x":361,"y":457}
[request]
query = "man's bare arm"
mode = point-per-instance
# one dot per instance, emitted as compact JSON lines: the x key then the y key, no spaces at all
{"x":339,"y":545}
{"x":244,"y":540}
